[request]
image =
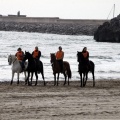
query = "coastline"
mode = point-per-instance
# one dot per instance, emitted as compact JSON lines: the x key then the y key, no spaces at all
{"x":52,"y":25}
{"x":60,"y":102}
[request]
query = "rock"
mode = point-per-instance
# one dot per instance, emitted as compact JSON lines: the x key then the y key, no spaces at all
{"x":109,"y":31}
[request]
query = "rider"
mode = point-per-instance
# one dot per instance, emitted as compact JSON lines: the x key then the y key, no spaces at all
{"x":36,"y":55}
{"x":20,"y":55}
{"x":59,"y":57}
{"x":86,"y":56}
{"x":85,"y":53}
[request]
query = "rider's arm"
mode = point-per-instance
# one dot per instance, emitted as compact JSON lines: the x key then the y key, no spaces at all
{"x":39,"y":55}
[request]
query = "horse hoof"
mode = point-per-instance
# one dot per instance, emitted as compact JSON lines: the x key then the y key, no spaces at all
{"x":44,"y":84}
{"x":29,"y":84}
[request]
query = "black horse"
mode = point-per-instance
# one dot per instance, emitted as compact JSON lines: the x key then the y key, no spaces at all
{"x":84,"y":67}
{"x":33,"y":66}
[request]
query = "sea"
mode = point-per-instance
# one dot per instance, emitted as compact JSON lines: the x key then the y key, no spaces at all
{"x":105,"y":55}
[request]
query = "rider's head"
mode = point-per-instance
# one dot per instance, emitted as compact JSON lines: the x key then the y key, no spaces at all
{"x":36,"y":48}
{"x":19,"y":49}
{"x":85,"y":49}
{"x":60,"y":48}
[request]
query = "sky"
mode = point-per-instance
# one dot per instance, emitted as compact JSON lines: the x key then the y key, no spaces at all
{"x":64,"y":9}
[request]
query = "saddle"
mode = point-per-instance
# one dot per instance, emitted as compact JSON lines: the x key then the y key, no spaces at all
{"x":38,"y":65}
{"x":22,"y":65}
{"x":60,"y":62}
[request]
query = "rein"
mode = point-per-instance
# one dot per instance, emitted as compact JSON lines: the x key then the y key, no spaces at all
{"x":53,"y":62}
{"x":14,"y":61}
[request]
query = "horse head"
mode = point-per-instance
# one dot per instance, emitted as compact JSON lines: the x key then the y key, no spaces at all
{"x":11,"y":59}
{"x":80,"y":57}
{"x":28,"y":56}
{"x":53,"y":58}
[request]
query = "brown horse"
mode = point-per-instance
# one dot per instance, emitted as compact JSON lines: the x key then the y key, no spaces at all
{"x":56,"y":69}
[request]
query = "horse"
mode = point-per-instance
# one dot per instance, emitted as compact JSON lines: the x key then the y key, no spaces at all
{"x":16,"y":67}
{"x":56,"y":69}
{"x":84,"y":68}
{"x":33,"y":67}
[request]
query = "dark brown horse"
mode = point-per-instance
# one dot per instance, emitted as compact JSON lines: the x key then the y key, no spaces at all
{"x":33,"y":68}
{"x":84,"y":68}
{"x":57,"y":70}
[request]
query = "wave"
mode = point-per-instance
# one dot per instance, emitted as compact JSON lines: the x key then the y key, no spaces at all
{"x":105,"y":56}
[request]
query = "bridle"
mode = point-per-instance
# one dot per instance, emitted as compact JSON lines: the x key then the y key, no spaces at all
{"x":10,"y":60}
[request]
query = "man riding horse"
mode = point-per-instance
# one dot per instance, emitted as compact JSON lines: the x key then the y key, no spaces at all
{"x":36,"y":55}
{"x":86,"y":56}
{"x":59,"y":57}
{"x":20,"y":55}
{"x":85,"y":65}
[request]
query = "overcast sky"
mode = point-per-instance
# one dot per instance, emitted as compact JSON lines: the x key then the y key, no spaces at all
{"x":66,"y":9}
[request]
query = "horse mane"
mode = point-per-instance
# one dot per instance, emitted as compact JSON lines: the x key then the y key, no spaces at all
{"x":13,"y":57}
{"x":53,"y":55}
{"x":80,"y":57}
{"x":28,"y":53}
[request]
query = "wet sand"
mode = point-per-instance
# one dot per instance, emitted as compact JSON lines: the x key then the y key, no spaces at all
{"x":20,"y":102}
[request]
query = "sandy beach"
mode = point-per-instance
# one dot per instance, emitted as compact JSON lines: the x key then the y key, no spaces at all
{"x":20,"y":102}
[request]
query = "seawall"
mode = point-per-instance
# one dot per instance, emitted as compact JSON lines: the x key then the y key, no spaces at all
{"x":50,"y":20}
{"x":50,"y":25}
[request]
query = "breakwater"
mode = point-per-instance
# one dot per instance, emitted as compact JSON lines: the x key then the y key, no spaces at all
{"x":50,"y":25}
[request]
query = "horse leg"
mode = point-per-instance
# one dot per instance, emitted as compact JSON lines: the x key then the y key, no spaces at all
{"x":54,"y":79}
{"x":36,"y":77}
{"x":57,"y":79}
{"x":43,"y":78}
{"x":86,"y":75}
{"x":12,"y":77}
{"x":65,"y":78}
{"x":68,"y":78}
{"x":68,"y":81}
{"x":31,"y":77}
{"x":25,"y":77}
{"x":93,"y":78}
{"x":17,"y":78}
{"x":81,"y":79}
{"x":28,"y":78}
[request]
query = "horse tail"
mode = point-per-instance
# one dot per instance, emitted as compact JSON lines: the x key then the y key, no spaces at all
{"x":41,"y":67}
{"x":69,"y":73}
{"x":92,"y":65}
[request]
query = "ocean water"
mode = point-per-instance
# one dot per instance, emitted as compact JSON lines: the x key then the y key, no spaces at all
{"x":106,"y":56}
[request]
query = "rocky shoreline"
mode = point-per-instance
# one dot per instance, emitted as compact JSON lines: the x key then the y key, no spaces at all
{"x":54,"y":28}
{"x":109,"y":31}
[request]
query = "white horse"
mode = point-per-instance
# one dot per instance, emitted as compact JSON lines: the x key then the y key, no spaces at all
{"x":16,"y":67}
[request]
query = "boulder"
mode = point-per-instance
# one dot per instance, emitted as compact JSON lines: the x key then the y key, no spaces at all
{"x":109,"y":31}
